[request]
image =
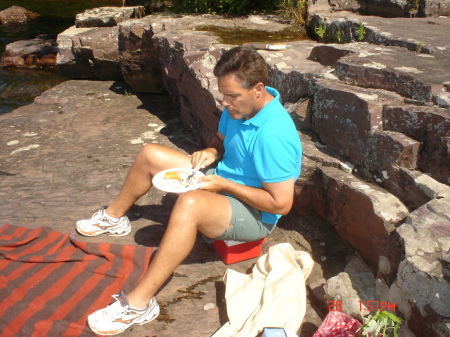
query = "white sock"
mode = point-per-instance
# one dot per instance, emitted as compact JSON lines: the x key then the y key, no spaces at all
{"x":111,"y":218}
{"x":141,"y":309}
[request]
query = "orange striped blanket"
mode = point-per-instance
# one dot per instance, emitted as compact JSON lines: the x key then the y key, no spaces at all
{"x":50,"y":282}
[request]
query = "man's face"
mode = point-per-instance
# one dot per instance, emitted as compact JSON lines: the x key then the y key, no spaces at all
{"x":239,"y":101}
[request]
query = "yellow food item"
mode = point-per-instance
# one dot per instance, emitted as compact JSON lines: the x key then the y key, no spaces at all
{"x":172,"y":175}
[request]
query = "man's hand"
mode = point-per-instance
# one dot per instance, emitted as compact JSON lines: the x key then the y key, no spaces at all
{"x":213,"y":183}
{"x":203,"y":158}
{"x":213,"y":152}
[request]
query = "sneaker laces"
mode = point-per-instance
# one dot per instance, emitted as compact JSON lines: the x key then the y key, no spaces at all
{"x":122,"y":306}
{"x":101,"y":215}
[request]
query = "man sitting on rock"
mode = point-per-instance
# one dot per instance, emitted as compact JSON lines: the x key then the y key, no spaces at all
{"x":259,"y":158}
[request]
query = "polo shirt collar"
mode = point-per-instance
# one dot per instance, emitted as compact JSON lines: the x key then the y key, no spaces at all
{"x":263,"y":115}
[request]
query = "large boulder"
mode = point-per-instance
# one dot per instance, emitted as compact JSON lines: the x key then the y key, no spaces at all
{"x":378,"y":71}
{"x":38,"y":52}
{"x":362,"y":213}
{"x":344,"y":27}
{"x":352,"y":290}
{"x":355,"y":113}
{"x":428,"y":125}
{"x":421,"y":288}
{"x":434,"y":8}
{"x":90,"y":49}
{"x":413,"y":137}
{"x":150,"y":5}
{"x":107,"y":16}
{"x":403,"y":8}
{"x":16,"y":14}
{"x":139,"y":58}
{"x":394,"y":8}
{"x":89,"y":53}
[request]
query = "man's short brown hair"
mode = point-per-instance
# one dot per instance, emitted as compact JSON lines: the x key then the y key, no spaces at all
{"x":246,"y":63}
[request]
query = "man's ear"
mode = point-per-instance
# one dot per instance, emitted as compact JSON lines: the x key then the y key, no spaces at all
{"x":259,"y":87}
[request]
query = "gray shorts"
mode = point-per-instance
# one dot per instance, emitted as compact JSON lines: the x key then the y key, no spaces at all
{"x":245,"y":221}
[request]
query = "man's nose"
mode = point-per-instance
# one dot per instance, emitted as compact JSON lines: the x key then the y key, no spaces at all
{"x":224,"y":102}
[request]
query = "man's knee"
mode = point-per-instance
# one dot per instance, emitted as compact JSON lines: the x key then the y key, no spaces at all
{"x":147,"y":150}
{"x":189,"y":200}
{"x":152,"y":152}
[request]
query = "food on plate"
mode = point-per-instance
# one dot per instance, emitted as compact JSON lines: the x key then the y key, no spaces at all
{"x":176,"y":175}
{"x":178,"y":179}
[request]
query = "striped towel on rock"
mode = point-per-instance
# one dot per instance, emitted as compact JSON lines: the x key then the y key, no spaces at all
{"x":50,"y":283}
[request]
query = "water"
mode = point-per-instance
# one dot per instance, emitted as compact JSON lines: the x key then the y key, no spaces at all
{"x":20,"y":87}
{"x":239,"y":35}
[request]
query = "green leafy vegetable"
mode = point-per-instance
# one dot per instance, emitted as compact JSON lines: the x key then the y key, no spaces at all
{"x":381,"y":323}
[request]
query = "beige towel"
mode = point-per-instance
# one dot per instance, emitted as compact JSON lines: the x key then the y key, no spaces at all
{"x":274,"y":295}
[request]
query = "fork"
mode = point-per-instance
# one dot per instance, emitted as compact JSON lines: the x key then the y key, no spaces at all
{"x":194,"y":171}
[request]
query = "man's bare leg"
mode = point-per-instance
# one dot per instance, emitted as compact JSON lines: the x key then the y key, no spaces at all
{"x":150,"y":160}
{"x":194,"y":211}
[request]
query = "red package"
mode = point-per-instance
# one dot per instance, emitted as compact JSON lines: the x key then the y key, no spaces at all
{"x":338,"y":324}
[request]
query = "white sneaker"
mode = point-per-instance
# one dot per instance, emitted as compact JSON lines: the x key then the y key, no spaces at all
{"x":100,"y":223}
{"x":118,"y":316}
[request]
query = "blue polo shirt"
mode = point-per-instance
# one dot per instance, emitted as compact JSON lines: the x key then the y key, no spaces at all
{"x":265,"y":148}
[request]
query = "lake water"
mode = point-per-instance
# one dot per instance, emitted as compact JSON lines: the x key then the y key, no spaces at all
{"x":20,"y":87}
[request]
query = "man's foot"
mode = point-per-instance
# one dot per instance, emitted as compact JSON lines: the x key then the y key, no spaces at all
{"x":118,"y":316}
{"x":101,"y":223}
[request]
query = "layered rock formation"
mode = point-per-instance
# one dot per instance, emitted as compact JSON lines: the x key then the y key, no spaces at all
{"x":90,"y":49}
{"x":373,"y":117}
{"x":107,"y":16}
{"x":394,"y":8}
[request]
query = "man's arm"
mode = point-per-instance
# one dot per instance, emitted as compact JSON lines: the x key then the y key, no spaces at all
{"x":273,"y":198}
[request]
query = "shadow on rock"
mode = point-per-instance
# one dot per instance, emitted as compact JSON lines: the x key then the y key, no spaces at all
{"x":202,"y":252}
{"x":314,"y":235}
{"x":156,"y":212}
{"x":150,"y":236}
{"x":162,"y":106}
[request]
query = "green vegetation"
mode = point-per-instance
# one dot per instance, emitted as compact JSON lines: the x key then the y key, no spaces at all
{"x":419,"y":47}
{"x":340,"y":36}
{"x":381,"y":323}
{"x":297,"y":10}
{"x":360,"y":31}
{"x":223,"y":6}
{"x":320,"y":31}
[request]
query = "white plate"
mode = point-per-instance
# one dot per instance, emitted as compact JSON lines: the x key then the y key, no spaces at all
{"x":173,"y":186}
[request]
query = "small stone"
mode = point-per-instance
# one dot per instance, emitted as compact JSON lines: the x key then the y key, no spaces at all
{"x":27,"y":148}
{"x":209,"y":306}
{"x":136,"y":141}
{"x":384,"y":265}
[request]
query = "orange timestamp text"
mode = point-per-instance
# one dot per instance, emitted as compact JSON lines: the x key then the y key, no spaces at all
{"x":365,"y":305}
